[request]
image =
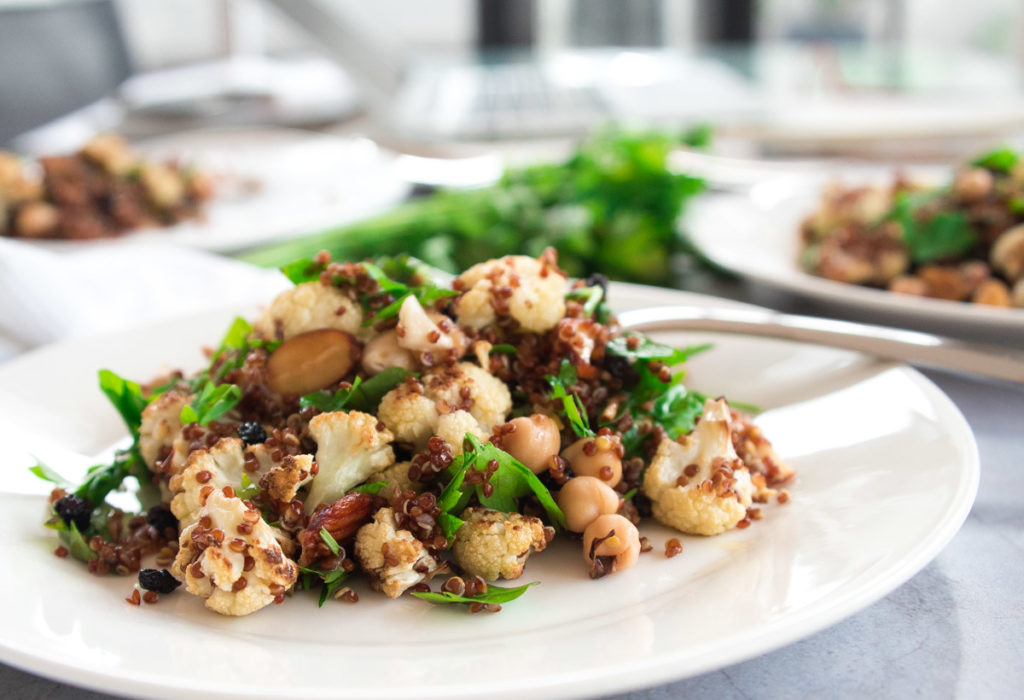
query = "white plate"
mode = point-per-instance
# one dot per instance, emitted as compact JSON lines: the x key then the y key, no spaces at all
{"x":272,"y":184}
{"x":757,"y":236}
{"x":887,"y":469}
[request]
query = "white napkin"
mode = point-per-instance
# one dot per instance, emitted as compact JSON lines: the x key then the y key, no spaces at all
{"x":47,"y":296}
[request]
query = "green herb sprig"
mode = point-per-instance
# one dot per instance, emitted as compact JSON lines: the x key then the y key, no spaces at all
{"x":611,"y":207}
{"x":330,"y":581}
{"x":495,"y":595}
{"x":572,"y":407}
{"x":931,"y":236}
{"x":510,"y":482}
{"x":361,"y":396}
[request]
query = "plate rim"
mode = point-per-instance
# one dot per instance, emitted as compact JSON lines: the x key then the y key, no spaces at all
{"x":655,"y":670}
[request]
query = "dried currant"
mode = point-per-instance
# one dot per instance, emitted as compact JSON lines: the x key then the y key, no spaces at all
{"x":161,"y":519}
{"x":73,"y":509}
{"x":252,"y":433}
{"x":160,"y":580}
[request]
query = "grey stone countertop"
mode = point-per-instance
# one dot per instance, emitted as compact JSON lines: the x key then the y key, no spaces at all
{"x":955,"y":630}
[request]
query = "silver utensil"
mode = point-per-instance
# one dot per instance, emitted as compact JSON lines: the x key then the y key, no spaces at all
{"x":906,"y":346}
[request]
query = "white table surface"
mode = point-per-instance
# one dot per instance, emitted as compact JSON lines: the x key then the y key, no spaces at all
{"x":955,"y":630}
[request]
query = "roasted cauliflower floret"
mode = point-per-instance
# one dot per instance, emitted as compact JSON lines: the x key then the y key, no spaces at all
{"x":397,"y":476}
{"x":698,"y":485}
{"x":452,"y":428}
{"x":493,"y":544}
{"x":163,"y":186}
{"x":282,"y":482}
{"x":413,"y":410}
{"x":349,"y":451}
{"x":408,"y":413}
{"x":308,"y":307}
{"x":842,"y":205}
{"x":111,"y":152}
{"x":393,"y":559}
{"x":161,"y":423}
{"x":230,"y":557}
{"x":422,"y":331}
{"x":219,"y":466}
{"x":529,"y":290}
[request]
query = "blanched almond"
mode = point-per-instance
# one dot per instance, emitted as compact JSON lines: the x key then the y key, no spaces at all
{"x":311,"y":361}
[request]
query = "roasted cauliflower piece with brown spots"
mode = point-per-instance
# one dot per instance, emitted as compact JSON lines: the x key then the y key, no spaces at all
{"x":161,"y":424}
{"x":698,"y":485}
{"x":530,"y":290}
{"x":492,"y":544}
{"x":350,"y":450}
{"x":412,"y":410}
{"x":393,"y":559}
{"x":309,"y":306}
{"x":231,"y":558}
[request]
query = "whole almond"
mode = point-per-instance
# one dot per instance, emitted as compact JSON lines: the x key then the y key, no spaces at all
{"x":342,"y":519}
{"x":312,"y":360}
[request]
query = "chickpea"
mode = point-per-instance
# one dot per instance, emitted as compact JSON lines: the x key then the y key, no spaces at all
{"x":111,"y":152}
{"x":600,"y":457}
{"x":992,"y":292}
{"x":36,"y":219}
{"x":383,"y":352}
{"x":973,"y":184}
{"x":909,"y":284}
{"x":584,"y":499}
{"x":1007,"y":254}
{"x":891,"y":264}
{"x":532,"y":440}
{"x":617,"y":538}
{"x":975,"y":272}
{"x":945,"y":282}
{"x":1018,"y":293}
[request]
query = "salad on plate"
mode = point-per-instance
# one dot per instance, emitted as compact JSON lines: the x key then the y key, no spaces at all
{"x":963,"y":241}
{"x":430,"y":438}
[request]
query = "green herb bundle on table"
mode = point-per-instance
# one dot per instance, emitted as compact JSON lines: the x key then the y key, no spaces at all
{"x":611,"y":208}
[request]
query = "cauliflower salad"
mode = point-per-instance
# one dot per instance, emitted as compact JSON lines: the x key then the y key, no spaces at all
{"x":430,"y":439}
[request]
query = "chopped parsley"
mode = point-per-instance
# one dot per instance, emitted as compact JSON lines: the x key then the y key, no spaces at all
{"x":212,"y":402}
{"x":931,"y":236}
{"x":510,"y":482}
{"x":634,"y":346}
{"x":126,"y":396}
{"x":572,"y":406}
{"x":372,"y":488}
{"x":426,"y":294}
{"x":303,"y":270}
{"x":330,"y":581}
{"x":590,"y":296}
{"x":1000,"y":160}
{"x":495,"y":595}
{"x":361,"y":396}
{"x":249,"y":490}
{"x":332,"y":544}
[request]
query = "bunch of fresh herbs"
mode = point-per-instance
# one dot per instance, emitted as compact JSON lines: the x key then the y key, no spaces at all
{"x":612,"y":208}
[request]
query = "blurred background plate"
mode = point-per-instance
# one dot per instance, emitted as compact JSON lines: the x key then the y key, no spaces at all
{"x":756,"y":234}
{"x":271,"y":183}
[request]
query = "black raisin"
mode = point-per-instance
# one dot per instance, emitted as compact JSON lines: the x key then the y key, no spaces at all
{"x":252,"y":433}
{"x":73,"y":509}
{"x":160,"y":581}
{"x":161,"y":519}
{"x":621,"y":369}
